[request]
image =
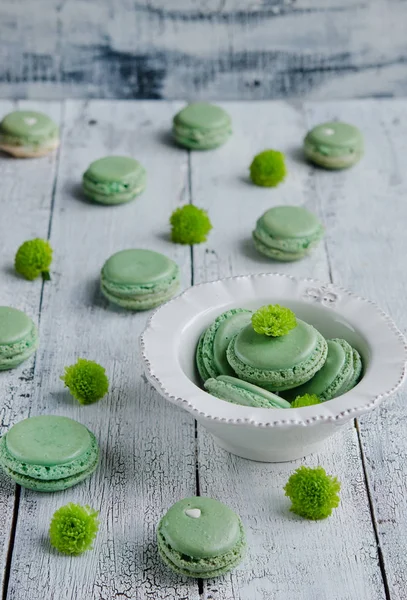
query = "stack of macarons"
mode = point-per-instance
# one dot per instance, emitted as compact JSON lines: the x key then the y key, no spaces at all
{"x":48,"y":453}
{"x":268,"y":358}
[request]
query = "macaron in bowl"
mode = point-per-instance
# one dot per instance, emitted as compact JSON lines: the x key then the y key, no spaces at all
{"x":287,"y":233}
{"x":168,"y":349}
{"x":242,"y":392}
{"x":139,"y":279}
{"x":334,"y":145}
{"x":114,"y":180}
{"x":28,"y":134}
{"x":48,"y":453}
{"x":18,"y":337}
{"x":201,"y":537}
{"x":201,"y":126}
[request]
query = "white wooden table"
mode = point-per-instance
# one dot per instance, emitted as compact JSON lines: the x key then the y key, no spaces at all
{"x":153,"y":453}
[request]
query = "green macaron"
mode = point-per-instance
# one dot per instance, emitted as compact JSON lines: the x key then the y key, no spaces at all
{"x":18,"y":337}
{"x":48,"y":453}
{"x":242,"y":392}
{"x":28,"y":134}
{"x":287,"y":233}
{"x":333,"y":377}
{"x":201,"y":537}
{"x":334,"y":145}
{"x":139,"y":279}
{"x":201,"y":126}
{"x":114,"y":180}
{"x":211,"y":351}
{"x":277,"y":363}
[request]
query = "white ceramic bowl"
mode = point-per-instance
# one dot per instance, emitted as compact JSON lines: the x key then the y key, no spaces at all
{"x":169,"y":342}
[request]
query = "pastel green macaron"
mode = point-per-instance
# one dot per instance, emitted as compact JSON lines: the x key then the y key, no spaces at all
{"x":242,"y":392}
{"x":48,"y":453}
{"x":287,"y":233}
{"x":201,"y":126}
{"x":18,"y":337}
{"x":201,"y":537}
{"x":334,"y":377}
{"x":211,"y":351}
{"x":277,"y":363}
{"x":334,"y":145}
{"x":139,"y":279}
{"x":28,"y":134}
{"x":114,"y":180}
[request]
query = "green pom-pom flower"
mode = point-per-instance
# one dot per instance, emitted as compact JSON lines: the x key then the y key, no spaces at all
{"x":313,"y":493}
{"x":189,"y":225}
{"x":34,"y":258}
{"x":73,"y":528}
{"x":268,"y":168}
{"x":273,"y":320}
{"x":305,"y":400}
{"x":87,"y":381}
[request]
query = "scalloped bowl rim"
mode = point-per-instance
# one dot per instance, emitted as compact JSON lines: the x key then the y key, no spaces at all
{"x":164,"y":371}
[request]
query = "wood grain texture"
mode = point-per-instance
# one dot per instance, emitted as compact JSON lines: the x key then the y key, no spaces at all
{"x":212,"y":49}
{"x":138,"y":478}
{"x":25,"y":197}
{"x":366,"y":212}
{"x":288,"y":558}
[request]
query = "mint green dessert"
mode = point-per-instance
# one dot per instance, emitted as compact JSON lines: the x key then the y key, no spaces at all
{"x":334,"y":145}
{"x":287,"y":233}
{"x":201,"y":537}
{"x":139,"y":279}
{"x":277,"y":363}
{"x":28,"y":134}
{"x":48,"y":453}
{"x":114,"y":180}
{"x":18,"y":337}
{"x":211,"y":351}
{"x":201,"y":126}
{"x":242,"y":392}
{"x":340,"y":373}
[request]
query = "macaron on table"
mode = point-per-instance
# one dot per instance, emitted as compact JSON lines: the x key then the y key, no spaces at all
{"x":154,"y":454}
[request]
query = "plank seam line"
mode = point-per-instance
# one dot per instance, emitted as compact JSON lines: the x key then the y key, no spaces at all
{"x":17,"y":496}
{"x":191,"y":250}
{"x":372,"y":515}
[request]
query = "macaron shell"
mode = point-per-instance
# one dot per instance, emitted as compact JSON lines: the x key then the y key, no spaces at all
{"x":214,"y":533}
{"x":137,"y":302}
{"x":275,"y":353}
{"x":138,"y":267}
{"x":47,"y":440}
{"x":334,"y":138}
{"x":28,"y":125}
{"x":200,"y":115}
{"x":283,"y":222}
{"x":276,"y":254}
{"x":15,"y":325}
{"x":244,"y":393}
{"x":113,"y":168}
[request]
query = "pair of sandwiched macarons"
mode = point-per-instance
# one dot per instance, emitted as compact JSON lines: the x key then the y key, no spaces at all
{"x":139,"y":279}
{"x":18,"y":337}
{"x":268,"y":358}
{"x":48,"y":453}
{"x":201,"y":537}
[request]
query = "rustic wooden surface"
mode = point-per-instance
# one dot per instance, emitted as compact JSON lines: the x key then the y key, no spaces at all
{"x":222,"y":49}
{"x":152,"y":453}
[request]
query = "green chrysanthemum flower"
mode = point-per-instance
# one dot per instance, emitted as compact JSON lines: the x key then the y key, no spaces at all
{"x":313,"y":493}
{"x":268,"y":168}
{"x":73,"y":528}
{"x":273,"y":320}
{"x":33,"y":258}
{"x":86,"y":380}
{"x":189,"y":225}
{"x":305,"y":400}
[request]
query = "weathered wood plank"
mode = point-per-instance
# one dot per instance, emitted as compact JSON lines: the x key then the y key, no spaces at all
{"x":288,"y":557}
{"x":148,"y":448}
{"x":25,"y":199}
{"x":366,"y":214}
{"x":212,"y":49}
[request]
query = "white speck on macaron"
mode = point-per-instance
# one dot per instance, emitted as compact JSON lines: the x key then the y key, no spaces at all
{"x":194,"y":513}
